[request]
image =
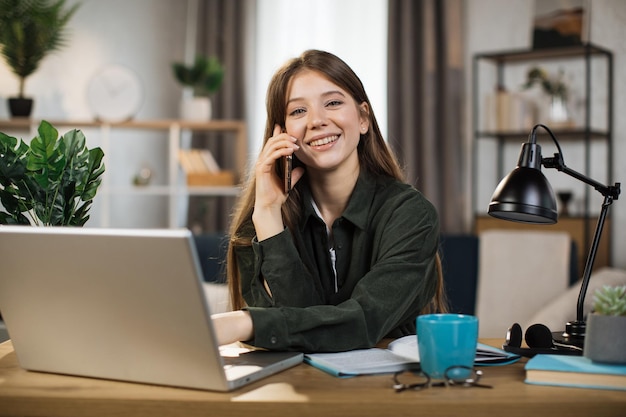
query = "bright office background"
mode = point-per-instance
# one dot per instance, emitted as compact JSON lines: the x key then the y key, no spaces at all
{"x":148,"y":35}
{"x":354,"y":30}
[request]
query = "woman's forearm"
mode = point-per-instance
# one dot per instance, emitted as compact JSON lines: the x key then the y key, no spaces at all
{"x":233,"y":326}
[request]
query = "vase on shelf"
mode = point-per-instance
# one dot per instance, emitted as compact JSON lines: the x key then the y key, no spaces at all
{"x":196,"y":109}
{"x":565,"y":197}
{"x":558,"y":113}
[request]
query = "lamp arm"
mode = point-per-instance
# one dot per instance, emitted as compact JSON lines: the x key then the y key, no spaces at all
{"x":557,"y":162}
{"x":591,"y":257}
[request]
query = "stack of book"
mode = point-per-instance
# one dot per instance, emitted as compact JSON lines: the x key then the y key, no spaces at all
{"x":575,"y":371}
{"x":202,"y":169}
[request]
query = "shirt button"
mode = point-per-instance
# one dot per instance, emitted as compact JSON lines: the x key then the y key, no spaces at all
{"x":273,"y":340}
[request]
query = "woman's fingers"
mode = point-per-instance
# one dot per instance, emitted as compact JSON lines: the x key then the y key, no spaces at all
{"x":276,"y":147}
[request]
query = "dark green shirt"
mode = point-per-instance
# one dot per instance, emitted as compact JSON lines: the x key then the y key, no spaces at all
{"x":385,"y":244}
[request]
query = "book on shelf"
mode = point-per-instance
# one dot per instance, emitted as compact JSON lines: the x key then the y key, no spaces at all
{"x":201,"y":168}
{"x":400,"y":355}
{"x":197,"y":160}
{"x":574,"y":371}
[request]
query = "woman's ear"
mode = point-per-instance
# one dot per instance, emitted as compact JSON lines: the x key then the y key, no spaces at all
{"x":364,"y":118}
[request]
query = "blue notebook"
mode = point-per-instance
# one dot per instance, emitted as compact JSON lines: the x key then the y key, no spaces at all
{"x":574,"y":371}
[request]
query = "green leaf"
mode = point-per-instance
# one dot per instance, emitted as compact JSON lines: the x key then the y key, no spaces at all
{"x":95,"y":169}
{"x":47,"y":156}
{"x":77,"y":157}
{"x":81,"y":215}
{"x":12,"y":159}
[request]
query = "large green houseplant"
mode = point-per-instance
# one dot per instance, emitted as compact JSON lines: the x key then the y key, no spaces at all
{"x":52,"y":182}
{"x":204,"y":77}
{"x":30,"y":29}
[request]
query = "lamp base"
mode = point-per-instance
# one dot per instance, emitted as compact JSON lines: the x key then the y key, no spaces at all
{"x":573,"y":335}
{"x":575,"y":329}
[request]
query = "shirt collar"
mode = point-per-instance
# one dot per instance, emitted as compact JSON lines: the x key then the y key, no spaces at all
{"x":359,"y":205}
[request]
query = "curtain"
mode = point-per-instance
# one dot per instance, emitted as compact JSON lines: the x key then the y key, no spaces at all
{"x":222,"y":33}
{"x":425,"y":101}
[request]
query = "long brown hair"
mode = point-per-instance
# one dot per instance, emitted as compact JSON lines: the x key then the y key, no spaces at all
{"x":374,"y":156}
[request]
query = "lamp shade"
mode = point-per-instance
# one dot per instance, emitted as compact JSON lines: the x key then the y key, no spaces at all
{"x":524,"y":195}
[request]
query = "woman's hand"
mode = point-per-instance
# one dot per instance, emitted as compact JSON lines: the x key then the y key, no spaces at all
{"x":270,"y":193}
{"x":233,"y":326}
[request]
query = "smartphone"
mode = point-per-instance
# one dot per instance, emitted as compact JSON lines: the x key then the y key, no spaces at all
{"x":288,"y":167}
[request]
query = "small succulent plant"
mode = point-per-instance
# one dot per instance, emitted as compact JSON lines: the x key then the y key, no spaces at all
{"x":610,"y":300}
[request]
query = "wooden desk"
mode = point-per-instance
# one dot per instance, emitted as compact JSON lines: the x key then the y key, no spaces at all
{"x":299,"y":391}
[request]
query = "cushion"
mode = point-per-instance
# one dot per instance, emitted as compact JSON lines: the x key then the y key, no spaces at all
{"x":519,"y":273}
{"x":562,"y":309}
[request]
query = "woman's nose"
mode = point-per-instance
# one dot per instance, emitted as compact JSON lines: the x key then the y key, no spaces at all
{"x":316,"y":119}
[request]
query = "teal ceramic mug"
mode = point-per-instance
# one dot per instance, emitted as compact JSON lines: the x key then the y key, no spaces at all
{"x":447,"y":344}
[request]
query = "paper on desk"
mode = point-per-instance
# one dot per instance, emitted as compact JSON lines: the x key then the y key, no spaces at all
{"x":485,"y":355}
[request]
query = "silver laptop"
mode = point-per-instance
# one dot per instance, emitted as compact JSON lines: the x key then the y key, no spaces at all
{"x":118,"y":304}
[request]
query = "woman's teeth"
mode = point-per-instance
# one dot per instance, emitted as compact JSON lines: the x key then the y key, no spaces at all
{"x":324,"y":141}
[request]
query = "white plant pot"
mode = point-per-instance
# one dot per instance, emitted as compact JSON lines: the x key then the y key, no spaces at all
{"x":196,"y":109}
{"x":605,"y":339}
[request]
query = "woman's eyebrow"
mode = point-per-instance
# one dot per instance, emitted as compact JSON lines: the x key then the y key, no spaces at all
{"x":325,"y":94}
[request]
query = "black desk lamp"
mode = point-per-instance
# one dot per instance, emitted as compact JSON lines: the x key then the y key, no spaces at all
{"x":525,"y":195}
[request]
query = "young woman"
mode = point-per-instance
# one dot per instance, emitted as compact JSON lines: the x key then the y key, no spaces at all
{"x":349,"y":255}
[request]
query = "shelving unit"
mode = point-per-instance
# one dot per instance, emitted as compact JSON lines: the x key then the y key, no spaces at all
{"x":581,"y":225}
{"x":176,"y":187}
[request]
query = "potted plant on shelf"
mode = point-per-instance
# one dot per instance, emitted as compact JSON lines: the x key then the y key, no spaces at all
{"x":605,"y":338}
{"x":557,"y":91}
{"x":52,"y":182}
{"x":204,"y":77}
{"x":30,"y":30}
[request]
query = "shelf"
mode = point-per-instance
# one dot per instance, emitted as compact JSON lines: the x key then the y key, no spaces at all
{"x":561,"y":134}
{"x":581,"y":228}
{"x":167,"y":190}
{"x":160,"y":124}
{"x":543,"y":54}
{"x":210,"y":191}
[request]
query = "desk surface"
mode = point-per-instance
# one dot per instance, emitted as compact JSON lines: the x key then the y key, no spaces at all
{"x":299,"y":391}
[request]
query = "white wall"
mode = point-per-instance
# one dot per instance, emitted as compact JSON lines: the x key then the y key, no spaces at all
{"x":495,"y":25}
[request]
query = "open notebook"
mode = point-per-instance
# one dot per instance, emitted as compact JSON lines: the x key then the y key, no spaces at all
{"x":121,"y":304}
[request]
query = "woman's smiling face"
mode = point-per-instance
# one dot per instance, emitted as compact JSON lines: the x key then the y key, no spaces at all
{"x":326,"y":121}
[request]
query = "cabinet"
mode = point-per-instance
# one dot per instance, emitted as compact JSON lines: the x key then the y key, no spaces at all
{"x":586,"y":142}
{"x":174,"y":189}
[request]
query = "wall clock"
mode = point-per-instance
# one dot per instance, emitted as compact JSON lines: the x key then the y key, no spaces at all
{"x":115,"y":94}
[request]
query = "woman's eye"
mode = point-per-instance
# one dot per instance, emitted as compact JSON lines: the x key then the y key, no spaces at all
{"x":296,"y":112}
{"x":334,"y":103}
